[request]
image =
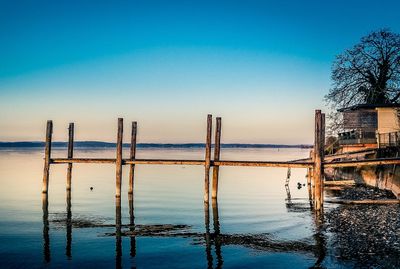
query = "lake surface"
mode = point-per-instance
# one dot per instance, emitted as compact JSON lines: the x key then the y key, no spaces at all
{"x":253,"y":225}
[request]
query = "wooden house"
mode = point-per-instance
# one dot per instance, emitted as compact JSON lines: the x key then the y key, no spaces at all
{"x":369,"y":126}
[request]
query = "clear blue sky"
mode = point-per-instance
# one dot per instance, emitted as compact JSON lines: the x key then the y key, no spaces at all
{"x":264,"y":66}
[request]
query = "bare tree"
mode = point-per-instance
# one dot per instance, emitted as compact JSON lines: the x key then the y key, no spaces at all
{"x":368,"y":73}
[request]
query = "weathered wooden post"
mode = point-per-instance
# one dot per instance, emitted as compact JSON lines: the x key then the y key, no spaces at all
{"x":132,"y":157}
{"x":322,"y":156}
{"x":309,"y":179}
{"x":208,"y":160}
{"x":47,"y":155}
{"x":318,"y":159}
{"x":118,"y":161}
{"x":217,"y":154}
{"x":70,"y":153}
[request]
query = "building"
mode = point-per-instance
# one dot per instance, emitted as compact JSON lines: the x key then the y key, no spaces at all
{"x":369,"y":126}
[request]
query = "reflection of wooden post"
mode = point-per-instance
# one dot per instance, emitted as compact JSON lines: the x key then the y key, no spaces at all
{"x":47,"y":153}
{"x":217,"y":231}
{"x":208,"y":160}
{"x":68,"y":251}
{"x":118,"y":239}
{"x":70,"y":153}
{"x":318,"y":159}
{"x":217,"y":150}
{"x":207,"y":235}
{"x":118,"y":162}
{"x":132,"y":157}
{"x":46,"y":237}
{"x":132,"y":225}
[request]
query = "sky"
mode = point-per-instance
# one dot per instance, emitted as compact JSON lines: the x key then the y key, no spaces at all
{"x":263,"y":66}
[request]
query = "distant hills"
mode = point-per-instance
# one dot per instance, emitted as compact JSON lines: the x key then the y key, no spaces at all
{"x":100,"y":144}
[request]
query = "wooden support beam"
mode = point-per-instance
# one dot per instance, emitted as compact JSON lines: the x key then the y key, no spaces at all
{"x":217,"y":154}
{"x":318,"y":158}
{"x":371,"y":202}
{"x":70,"y":154}
{"x":82,"y":160}
{"x":264,"y":164}
{"x":187,"y":162}
{"x":207,"y":160}
{"x":367,"y":162}
{"x":132,"y":157}
{"x":118,"y":161}
{"x":47,"y":156}
{"x":166,"y":162}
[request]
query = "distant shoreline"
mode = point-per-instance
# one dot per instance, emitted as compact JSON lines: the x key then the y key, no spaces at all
{"x":100,"y":144}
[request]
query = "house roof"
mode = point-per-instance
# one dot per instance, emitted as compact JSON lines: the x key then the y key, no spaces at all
{"x":367,"y":106}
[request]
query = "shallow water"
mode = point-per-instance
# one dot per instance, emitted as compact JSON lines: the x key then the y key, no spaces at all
{"x":252,"y":226}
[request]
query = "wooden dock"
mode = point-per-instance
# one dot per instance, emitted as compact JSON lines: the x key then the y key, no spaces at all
{"x":315,"y":164}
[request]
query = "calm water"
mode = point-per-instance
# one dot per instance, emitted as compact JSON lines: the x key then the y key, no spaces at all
{"x":253,"y":225}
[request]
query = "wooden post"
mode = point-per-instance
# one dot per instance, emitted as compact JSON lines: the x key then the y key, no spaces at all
{"x":132,"y":157}
{"x":309,"y":179}
{"x":217,"y":153}
{"x":208,"y":160}
{"x":322,"y":156}
{"x":70,"y":153}
{"x":318,"y":169}
{"x":47,"y":154}
{"x":118,"y":162}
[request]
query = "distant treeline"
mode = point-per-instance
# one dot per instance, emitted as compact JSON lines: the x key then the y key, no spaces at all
{"x":99,"y":144}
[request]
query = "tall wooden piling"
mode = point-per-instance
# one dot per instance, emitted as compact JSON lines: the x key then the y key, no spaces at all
{"x":47,"y":155}
{"x":207,"y":163}
{"x":70,"y":153}
{"x":318,"y":159}
{"x":118,"y":162}
{"x":322,"y":156}
{"x":217,"y":154}
{"x":132,"y":157}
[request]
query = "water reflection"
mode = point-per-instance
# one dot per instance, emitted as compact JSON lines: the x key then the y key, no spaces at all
{"x":46,"y":237}
{"x":213,"y":240}
{"x":207,"y":236}
{"x":132,"y":226}
{"x":68,"y":251}
{"x":320,"y":241}
{"x":217,"y":237}
{"x":118,"y":239}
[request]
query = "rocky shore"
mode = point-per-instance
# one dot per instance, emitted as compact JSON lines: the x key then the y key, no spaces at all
{"x":368,"y":235}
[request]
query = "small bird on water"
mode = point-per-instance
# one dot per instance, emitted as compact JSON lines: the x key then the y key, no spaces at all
{"x":91,"y":188}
